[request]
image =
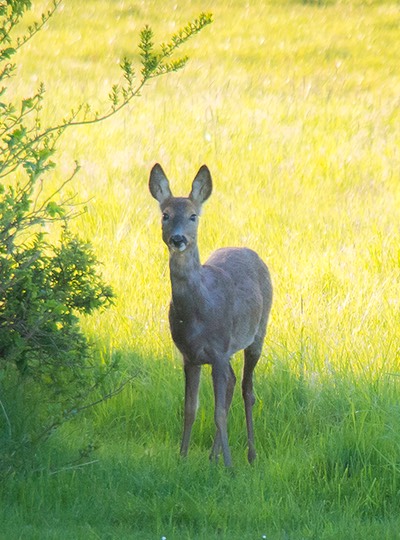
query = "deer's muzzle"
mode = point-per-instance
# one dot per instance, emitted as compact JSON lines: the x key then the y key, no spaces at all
{"x":178,"y":242}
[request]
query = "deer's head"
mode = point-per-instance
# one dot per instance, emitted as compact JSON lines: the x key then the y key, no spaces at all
{"x":180,"y":214}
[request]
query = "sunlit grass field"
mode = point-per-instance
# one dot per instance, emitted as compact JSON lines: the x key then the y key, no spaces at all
{"x":294,"y":107}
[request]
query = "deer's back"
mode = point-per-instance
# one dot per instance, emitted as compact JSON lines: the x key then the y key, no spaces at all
{"x":248,"y":272}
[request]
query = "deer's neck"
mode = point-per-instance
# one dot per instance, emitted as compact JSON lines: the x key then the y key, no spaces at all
{"x":185,"y":273}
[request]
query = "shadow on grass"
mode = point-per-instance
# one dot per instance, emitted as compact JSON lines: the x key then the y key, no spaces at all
{"x":327,"y":463}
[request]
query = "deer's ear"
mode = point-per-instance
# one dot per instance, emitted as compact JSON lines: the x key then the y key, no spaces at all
{"x":202,"y":186}
{"x":159,"y":184}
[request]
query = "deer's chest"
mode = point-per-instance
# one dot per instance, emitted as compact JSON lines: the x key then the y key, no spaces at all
{"x":194,"y":337}
{"x":188,"y":336}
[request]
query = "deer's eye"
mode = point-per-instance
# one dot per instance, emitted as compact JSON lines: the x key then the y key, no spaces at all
{"x":193,"y":217}
{"x":165,"y":216}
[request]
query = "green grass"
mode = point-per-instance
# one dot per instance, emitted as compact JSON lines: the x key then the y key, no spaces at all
{"x":294,"y":107}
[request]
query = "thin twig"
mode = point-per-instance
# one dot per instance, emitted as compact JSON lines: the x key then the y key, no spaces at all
{"x":103,"y":398}
{"x":7,"y":419}
{"x":73,"y":467}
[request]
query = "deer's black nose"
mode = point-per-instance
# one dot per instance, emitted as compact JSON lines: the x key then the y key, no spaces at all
{"x":178,"y":242}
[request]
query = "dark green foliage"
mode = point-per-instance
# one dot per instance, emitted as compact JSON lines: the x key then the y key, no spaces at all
{"x":42,"y":290}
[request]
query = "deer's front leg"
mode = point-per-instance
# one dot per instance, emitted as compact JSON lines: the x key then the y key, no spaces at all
{"x":192,"y":380}
{"x":221,"y":379}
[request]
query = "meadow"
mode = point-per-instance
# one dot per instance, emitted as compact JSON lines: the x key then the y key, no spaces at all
{"x":294,"y":107}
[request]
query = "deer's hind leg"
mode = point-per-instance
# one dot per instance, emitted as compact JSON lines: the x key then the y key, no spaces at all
{"x":224,"y":384}
{"x":251,"y":357}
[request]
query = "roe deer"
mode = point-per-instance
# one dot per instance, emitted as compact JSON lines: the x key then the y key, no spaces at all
{"x":216,"y":309}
